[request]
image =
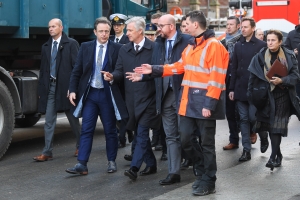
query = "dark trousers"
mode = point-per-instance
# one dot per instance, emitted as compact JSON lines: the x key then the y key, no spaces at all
{"x":203,"y":153}
{"x":231,"y":119}
{"x":247,"y":120}
{"x":98,"y":104}
{"x":50,"y":122}
{"x":143,"y":150}
{"x":122,"y":130}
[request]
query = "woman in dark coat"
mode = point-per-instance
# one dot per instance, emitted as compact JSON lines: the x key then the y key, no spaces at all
{"x":281,"y":101}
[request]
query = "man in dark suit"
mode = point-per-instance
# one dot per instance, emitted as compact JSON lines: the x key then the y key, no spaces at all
{"x":140,"y":97}
{"x":118,"y":22}
{"x":243,"y":52}
{"x":97,"y":97}
{"x":57,"y":61}
{"x":168,"y":49}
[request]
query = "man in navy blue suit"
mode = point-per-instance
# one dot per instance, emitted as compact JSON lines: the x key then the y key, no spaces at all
{"x":96,"y":97}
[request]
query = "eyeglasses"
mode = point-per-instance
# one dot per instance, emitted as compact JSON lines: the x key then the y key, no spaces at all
{"x":162,"y":25}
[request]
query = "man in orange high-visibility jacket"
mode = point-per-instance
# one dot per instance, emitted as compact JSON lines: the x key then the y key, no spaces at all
{"x":202,"y":98}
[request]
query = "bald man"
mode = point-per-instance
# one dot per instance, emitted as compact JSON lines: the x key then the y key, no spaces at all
{"x":259,"y":34}
{"x":168,"y":49}
{"x":58,"y":57}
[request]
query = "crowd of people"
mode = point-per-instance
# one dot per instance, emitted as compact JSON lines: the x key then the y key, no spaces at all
{"x":175,"y":82}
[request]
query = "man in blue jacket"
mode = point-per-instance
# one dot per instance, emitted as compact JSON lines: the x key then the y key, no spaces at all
{"x":97,"y":96}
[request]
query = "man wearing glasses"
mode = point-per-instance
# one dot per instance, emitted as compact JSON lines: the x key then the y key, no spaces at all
{"x":87,"y":88}
{"x":168,"y":49}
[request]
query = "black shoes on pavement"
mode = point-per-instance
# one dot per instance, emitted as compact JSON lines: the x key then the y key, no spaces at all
{"x":132,"y":174}
{"x":148,"y":171}
{"x":171,"y":179}
{"x":245,"y":156}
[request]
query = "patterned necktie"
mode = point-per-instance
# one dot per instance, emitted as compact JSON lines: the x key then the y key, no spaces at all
{"x":169,"y":49}
{"x":117,"y":40}
{"x":53,"y":60}
{"x":137,"y":48}
{"x":98,"y":76}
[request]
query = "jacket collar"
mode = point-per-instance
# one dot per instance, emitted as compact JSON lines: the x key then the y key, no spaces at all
{"x":198,"y":40}
{"x":130,"y":46}
{"x":253,"y":39}
{"x":64,"y":39}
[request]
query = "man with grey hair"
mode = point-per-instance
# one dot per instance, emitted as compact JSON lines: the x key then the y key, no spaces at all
{"x":139,"y":97}
{"x":259,"y":34}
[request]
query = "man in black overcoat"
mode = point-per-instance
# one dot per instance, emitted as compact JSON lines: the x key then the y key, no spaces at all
{"x":57,"y":61}
{"x":244,"y":50}
{"x":140,"y":97}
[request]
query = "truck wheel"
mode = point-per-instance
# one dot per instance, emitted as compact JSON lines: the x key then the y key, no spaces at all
{"x":7,"y":118}
{"x":27,"y":121}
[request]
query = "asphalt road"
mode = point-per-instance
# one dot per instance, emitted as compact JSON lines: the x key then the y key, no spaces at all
{"x":22,"y":178}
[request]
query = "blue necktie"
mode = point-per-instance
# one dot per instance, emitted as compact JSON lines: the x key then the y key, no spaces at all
{"x":53,"y":60}
{"x":98,"y":76}
{"x":169,"y":49}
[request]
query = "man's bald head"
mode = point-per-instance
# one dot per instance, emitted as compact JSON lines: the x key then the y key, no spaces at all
{"x":55,"y":28}
{"x":169,"y":19}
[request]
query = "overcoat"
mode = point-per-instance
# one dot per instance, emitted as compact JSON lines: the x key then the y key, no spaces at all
{"x":242,"y":55}
{"x":139,"y":96}
{"x":81,"y":75}
{"x":256,"y":72}
{"x":65,"y":61}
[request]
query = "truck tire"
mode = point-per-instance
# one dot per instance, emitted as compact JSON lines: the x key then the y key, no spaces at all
{"x":27,"y":121}
{"x":7,"y":118}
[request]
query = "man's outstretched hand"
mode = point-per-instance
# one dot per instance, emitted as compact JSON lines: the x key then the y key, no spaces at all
{"x":134,"y":77}
{"x":143,"y":69}
{"x":107,"y":76}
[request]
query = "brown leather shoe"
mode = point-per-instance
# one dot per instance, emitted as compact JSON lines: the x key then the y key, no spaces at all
{"x":76,"y":153}
{"x":42,"y":158}
{"x":253,"y":138}
{"x":230,"y":146}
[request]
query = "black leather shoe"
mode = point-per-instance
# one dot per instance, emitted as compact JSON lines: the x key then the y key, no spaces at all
{"x":131,"y":174}
{"x":245,"y":156}
{"x":158,"y":147}
{"x":164,"y":156}
{"x":271,"y":164}
{"x":148,"y":171}
{"x":128,"y":157}
{"x":264,"y":142}
{"x":186,"y":164}
{"x":130,"y":136}
{"x":171,"y":178}
{"x":121,"y":145}
{"x":278,"y":161}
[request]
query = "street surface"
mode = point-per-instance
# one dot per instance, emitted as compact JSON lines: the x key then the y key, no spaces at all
{"x":22,"y":178}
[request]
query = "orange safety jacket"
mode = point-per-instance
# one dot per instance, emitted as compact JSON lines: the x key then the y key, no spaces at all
{"x":203,"y":86}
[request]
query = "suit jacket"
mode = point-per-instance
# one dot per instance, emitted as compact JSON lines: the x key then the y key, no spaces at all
{"x":124,"y":39}
{"x":158,"y":58}
{"x":139,"y":96}
{"x":84,"y":68}
{"x":65,"y":61}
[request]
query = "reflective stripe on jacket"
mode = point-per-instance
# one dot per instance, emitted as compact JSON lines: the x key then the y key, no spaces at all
{"x":204,"y":67}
